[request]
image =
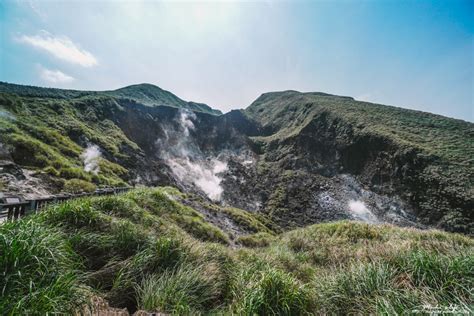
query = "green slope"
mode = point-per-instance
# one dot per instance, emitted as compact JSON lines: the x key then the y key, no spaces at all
{"x":48,"y":129}
{"x":151,"y":95}
{"x":146,"y":94}
{"x":146,"y":250}
{"x":287,"y":112}
{"x":426,"y":159}
{"x":44,"y":134}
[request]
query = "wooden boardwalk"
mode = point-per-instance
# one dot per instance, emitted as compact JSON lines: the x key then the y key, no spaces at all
{"x":15,"y":207}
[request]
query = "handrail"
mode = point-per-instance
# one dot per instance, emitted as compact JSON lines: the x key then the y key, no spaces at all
{"x":15,"y":207}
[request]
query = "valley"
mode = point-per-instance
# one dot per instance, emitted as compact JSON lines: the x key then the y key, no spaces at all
{"x":302,"y":203}
{"x":300,"y":158}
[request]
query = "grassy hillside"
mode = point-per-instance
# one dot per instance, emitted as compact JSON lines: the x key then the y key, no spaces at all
{"x":424,"y":158}
{"x":301,"y":142}
{"x":286,"y":113}
{"x":44,"y":134}
{"x":47,"y":130}
{"x":146,"y":250}
{"x":151,"y":95}
{"x":146,"y":94}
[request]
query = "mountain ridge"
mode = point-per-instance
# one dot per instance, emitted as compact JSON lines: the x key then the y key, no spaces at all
{"x":144,"y":93}
{"x":285,"y":155}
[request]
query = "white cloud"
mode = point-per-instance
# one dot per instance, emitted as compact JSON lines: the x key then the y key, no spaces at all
{"x":54,"y":76}
{"x":60,"y":47}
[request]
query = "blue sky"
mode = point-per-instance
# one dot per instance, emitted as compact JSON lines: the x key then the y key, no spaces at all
{"x":413,"y":54}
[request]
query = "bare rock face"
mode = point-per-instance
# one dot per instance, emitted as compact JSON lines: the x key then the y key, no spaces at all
{"x":18,"y":181}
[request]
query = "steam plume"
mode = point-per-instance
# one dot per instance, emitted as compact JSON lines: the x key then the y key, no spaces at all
{"x":360,"y":211}
{"x":7,"y":115}
{"x":186,"y":160}
{"x":91,"y":158}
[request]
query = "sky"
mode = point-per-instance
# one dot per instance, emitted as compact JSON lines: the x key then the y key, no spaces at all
{"x":412,"y":54}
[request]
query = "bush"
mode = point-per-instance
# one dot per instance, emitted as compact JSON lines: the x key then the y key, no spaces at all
{"x":256,"y":240}
{"x":120,"y":206}
{"x":359,"y":289}
{"x":201,"y":229}
{"x":135,"y":250}
{"x":74,"y":173}
{"x":51,"y":171}
{"x":74,"y":214}
{"x":164,"y":253}
{"x":78,"y":186}
{"x":448,"y":278}
{"x":125,"y":238}
{"x":186,"y":290}
{"x":269,"y":291}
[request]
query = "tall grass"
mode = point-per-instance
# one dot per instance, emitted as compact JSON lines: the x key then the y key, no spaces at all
{"x":38,"y":270}
{"x":410,"y":283}
{"x":263,"y":290}
{"x":188,"y":289}
{"x":136,"y":254}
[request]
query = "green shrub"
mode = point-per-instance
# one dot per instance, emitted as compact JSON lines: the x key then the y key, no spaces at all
{"x":268,"y":291}
{"x":120,"y":206}
{"x":448,"y":278}
{"x":126,"y":238}
{"x":78,"y":186}
{"x":74,"y":173}
{"x":256,"y":240}
{"x":74,"y":214}
{"x":186,"y":290}
{"x":164,"y":253}
{"x":359,"y":289}
{"x":161,"y":202}
{"x":52,"y":171}
{"x":245,"y":219}
{"x":201,"y":229}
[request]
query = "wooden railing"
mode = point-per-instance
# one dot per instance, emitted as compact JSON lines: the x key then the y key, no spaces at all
{"x":15,"y":207}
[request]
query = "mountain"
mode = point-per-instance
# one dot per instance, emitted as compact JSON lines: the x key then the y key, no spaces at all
{"x":298,"y":158}
{"x":424,"y":159}
{"x":302,"y":203}
{"x":151,"y":95}
{"x":146,"y":94}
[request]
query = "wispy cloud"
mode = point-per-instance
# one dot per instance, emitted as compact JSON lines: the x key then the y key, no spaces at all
{"x":54,"y":76}
{"x":60,"y":47}
{"x":33,"y":5}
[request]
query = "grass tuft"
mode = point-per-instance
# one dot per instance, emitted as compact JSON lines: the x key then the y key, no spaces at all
{"x":186,"y":290}
{"x":38,"y":270}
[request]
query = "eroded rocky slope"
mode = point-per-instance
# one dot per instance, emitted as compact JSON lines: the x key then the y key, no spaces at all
{"x":298,"y":158}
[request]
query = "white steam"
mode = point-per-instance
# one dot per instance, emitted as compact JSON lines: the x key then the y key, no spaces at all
{"x":203,"y":174}
{"x":186,"y":122}
{"x":361,"y":212}
{"x":7,"y":115}
{"x":91,"y":158}
{"x":187,"y":162}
